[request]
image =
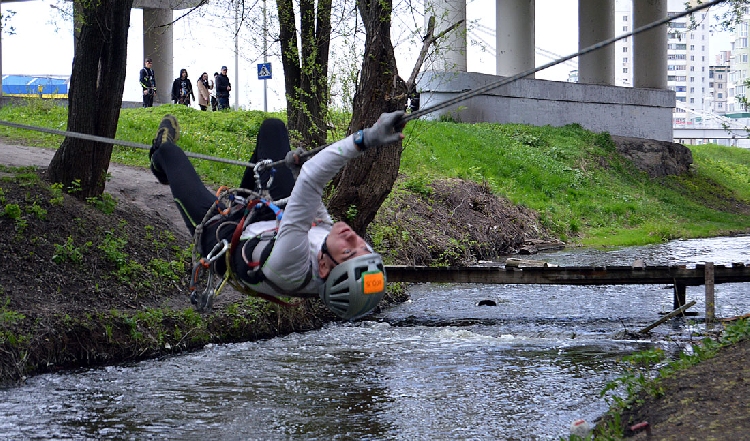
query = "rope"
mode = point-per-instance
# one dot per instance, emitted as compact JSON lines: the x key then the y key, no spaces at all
{"x":414,"y":115}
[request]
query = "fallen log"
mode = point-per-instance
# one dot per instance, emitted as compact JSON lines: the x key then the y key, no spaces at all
{"x":674,"y":313}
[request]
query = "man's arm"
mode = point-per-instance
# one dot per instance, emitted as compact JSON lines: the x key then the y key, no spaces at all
{"x":305,"y":202}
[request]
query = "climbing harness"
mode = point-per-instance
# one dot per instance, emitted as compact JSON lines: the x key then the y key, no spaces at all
{"x":233,"y":211}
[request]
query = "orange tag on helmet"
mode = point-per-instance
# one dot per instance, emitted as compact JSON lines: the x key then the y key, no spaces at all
{"x":373,"y":282}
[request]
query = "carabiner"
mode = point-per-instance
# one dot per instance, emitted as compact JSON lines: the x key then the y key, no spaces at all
{"x":219,"y":250}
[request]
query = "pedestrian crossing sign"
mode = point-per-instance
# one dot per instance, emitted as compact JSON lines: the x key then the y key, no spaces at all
{"x":264,"y":71}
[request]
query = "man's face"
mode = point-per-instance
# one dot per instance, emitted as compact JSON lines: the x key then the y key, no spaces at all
{"x":341,"y":244}
{"x":224,"y":71}
{"x":148,"y":64}
{"x":344,"y":244}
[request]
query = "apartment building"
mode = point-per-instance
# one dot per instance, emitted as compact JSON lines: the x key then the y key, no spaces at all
{"x":688,"y":72}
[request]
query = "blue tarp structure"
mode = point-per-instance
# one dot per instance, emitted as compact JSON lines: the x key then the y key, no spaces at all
{"x":36,"y":85}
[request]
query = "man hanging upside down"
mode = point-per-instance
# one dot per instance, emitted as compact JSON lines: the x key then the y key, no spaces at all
{"x":300,"y":252}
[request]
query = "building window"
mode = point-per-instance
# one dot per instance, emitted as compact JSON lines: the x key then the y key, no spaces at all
{"x":721,"y":85}
{"x":721,"y":105}
{"x":720,"y":95}
{"x":692,"y":90}
{"x":624,"y":70}
{"x":692,"y":100}
{"x":624,"y":48}
{"x":721,"y":76}
{"x":624,"y":29}
{"x":692,"y":79}
{"x":624,"y":59}
{"x":692,"y":58}
{"x":624,"y":18}
{"x":692,"y":47}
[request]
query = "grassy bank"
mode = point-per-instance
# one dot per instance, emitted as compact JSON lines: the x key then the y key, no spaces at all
{"x":584,"y":191}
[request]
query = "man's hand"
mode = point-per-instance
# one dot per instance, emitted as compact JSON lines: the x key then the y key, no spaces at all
{"x":294,"y":161}
{"x":387,"y":130}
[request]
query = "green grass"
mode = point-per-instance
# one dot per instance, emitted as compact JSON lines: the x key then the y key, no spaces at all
{"x":584,"y":191}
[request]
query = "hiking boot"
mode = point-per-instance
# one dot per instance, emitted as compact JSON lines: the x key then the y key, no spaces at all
{"x":169,"y":131}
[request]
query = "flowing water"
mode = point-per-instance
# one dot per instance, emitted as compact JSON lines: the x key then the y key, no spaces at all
{"x":438,"y":367}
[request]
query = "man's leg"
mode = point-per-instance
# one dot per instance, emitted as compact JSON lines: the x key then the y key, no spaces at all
{"x":273,"y":144}
{"x":171,"y":166}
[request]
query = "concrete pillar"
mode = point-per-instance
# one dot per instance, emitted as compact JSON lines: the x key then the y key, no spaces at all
{"x":596,"y":23}
{"x":650,"y":47}
{"x":515,"y":36}
{"x":157,"y":44}
{"x":452,"y":56}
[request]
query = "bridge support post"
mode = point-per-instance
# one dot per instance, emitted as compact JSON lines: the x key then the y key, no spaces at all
{"x":710,"y":301}
{"x":679,"y":296}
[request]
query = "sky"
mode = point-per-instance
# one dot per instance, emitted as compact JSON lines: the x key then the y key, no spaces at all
{"x":43,"y":44}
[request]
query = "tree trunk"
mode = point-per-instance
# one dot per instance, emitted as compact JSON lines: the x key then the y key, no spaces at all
{"x":306,"y":74}
{"x":362,"y":186}
{"x":95,"y":97}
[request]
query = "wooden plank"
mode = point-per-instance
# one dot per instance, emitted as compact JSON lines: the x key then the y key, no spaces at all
{"x":593,"y":275}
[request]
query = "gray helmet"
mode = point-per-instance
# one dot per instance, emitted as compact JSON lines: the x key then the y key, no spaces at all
{"x":354,"y":287}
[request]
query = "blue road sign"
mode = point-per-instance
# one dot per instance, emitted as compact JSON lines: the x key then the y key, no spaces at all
{"x":264,"y":71}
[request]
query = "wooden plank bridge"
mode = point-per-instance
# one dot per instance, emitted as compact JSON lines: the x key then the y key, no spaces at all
{"x":679,"y":276}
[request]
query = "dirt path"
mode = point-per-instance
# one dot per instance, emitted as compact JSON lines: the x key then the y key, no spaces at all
{"x":134,"y":184}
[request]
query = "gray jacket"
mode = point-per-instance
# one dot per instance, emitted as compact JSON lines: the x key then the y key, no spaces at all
{"x":303,"y":227}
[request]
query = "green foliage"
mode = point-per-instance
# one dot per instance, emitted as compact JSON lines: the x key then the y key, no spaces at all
{"x":57,"y":194}
{"x":113,"y":248}
{"x":69,"y":252}
{"x":12,"y":211}
{"x":38,"y":211}
{"x":104,"y":203}
{"x":8,"y":318}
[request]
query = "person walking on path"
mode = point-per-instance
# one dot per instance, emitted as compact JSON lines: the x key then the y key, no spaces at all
{"x":298,"y":251}
{"x":182,"y":89}
{"x":204,"y":91}
{"x":148,"y":83}
{"x":223,"y":86}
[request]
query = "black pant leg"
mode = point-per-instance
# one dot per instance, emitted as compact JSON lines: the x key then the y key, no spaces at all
{"x":273,"y":144}
{"x":192,"y":197}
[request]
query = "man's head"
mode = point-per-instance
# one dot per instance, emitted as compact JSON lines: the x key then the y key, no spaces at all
{"x":354,"y":275}
{"x":183,"y":73}
{"x":341,"y":244}
{"x":223,"y":70}
{"x":148,"y":62}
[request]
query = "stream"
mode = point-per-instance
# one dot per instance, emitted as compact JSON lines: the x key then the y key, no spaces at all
{"x":437,"y":367}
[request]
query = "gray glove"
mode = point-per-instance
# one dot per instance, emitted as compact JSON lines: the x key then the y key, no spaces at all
{"x":295,"y":164}
{"x":387,"y":130}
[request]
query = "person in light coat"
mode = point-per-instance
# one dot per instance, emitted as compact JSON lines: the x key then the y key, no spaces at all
{"x":204,"y":86}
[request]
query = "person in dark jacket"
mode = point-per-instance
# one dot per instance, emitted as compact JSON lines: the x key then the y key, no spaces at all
{"x":222,"y":88}
{"x":148,"y":83}
{"x":182,"y":89}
